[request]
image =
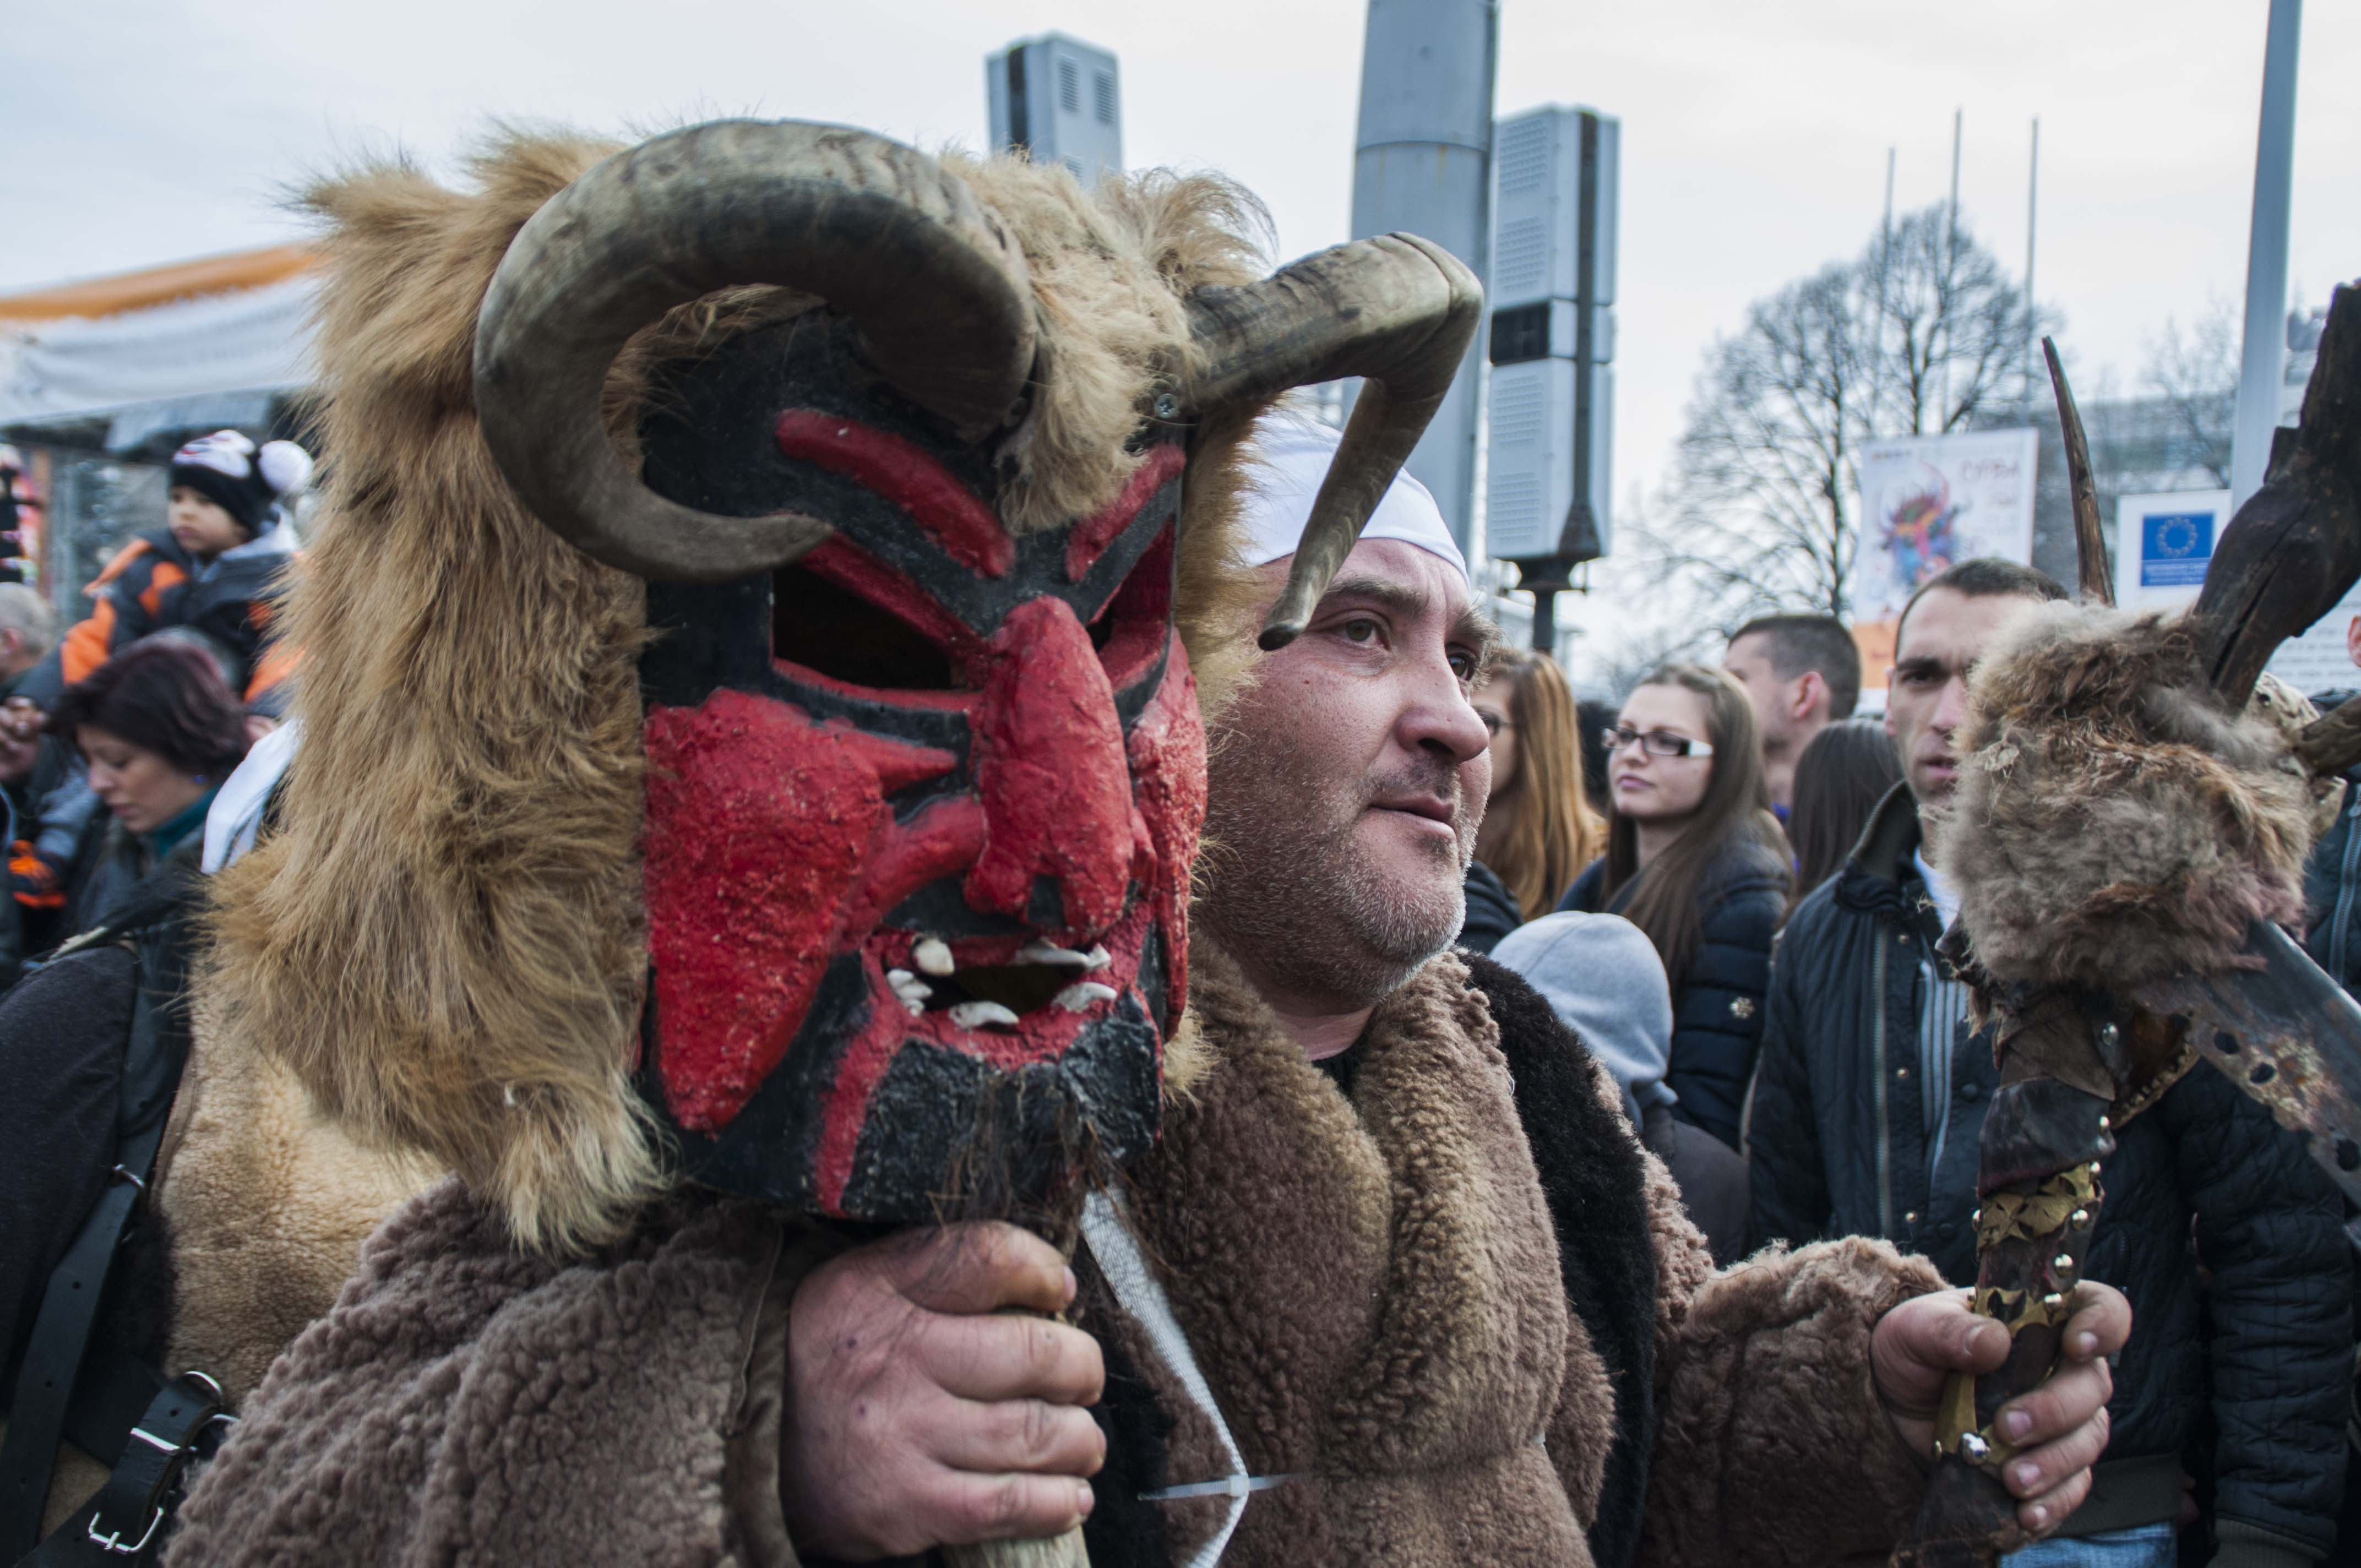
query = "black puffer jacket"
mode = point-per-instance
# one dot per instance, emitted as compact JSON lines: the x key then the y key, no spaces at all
{"x":1838,"y":1148}
{"x":2331,"y":893}
{"x":1718,"y":1000}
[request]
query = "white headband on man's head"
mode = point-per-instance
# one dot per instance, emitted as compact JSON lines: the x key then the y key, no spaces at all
{"x":1294,"y":453}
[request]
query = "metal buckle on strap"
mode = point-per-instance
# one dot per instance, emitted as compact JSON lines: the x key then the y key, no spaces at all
{"x":113,"y":1539}
{"x":128,"y":1177}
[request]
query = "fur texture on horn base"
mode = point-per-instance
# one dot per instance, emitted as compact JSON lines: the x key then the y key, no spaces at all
{"x":446,"y":938}
{"x":2112,"y":825}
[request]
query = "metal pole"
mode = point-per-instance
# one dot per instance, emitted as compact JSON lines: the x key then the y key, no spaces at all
{"x":1950,"y":266}
{"x":1546,"y":622}
{"x":1884,"y":267}
{"x":2264,"y":362}
{"x":2032,"y":194}
{"x":1422,"y":164}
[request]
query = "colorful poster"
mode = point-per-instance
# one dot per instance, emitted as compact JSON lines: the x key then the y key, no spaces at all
{"x":1927,"y":503}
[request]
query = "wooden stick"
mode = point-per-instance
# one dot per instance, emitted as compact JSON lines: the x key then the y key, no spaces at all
{"x":1064,"y":1552}
{"x":2295,"y":547}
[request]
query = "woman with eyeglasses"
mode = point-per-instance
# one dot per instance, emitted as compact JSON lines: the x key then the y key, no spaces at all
{"x":1539,"y":831}
{"x":1696,"y":859}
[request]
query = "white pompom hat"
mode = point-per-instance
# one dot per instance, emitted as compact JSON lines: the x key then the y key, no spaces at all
{"x":245,"y":481}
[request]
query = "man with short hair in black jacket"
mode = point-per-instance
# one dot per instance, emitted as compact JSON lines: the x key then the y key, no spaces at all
{"x":2331,"y":896}
{"x":1866,"y":1115}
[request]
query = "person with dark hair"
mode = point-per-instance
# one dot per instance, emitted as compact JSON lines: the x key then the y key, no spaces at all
{"x":1868,"y":1114}
{"x":158,"y":731}
{"x":1593,"y":717}
{"x":1539,"y":831}
{"x":1841,"y":778}
{"x":1695,"y":859}
{"x":1803,"y":673}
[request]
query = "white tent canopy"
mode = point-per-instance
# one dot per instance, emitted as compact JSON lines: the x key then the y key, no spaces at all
{"x":184,"y":335}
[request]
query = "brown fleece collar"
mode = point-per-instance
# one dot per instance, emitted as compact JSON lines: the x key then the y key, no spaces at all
{"x":1371,"y":1288}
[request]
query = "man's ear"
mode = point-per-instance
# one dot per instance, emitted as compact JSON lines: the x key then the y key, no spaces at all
{"x":1811,"y":695}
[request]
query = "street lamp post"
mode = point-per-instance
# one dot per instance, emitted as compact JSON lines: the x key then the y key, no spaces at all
{"x":2263,"y":360}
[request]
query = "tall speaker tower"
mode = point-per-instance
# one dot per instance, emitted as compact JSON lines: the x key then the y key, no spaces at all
{"x":1422,"y":164}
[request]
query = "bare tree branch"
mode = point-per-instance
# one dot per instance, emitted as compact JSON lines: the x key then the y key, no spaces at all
{"x":1916,"y":335}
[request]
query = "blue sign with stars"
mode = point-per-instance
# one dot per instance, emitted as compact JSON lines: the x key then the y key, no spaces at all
{"x":2175,"y":548}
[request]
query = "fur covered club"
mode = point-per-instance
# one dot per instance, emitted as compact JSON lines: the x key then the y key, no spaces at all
{"x":2136,"y":802}
{"x":2114,"y":824}
{"x":614,"y":436}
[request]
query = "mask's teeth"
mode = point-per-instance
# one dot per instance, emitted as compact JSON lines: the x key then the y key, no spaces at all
{"x":1096,"y":959}
{"x":1079,"y":996}
{"x":1041,"y":950}
{"x":932,"y":955}
{"x":911,"y":990}
{"x":979,"y":1015}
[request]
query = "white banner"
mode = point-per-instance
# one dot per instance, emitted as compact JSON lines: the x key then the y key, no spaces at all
{"x":2164,"y":544}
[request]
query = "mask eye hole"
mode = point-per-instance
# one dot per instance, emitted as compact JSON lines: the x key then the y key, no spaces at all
{"x":836,"y":633}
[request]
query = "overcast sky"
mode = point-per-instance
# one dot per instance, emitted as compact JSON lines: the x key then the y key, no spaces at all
{"x":1754,"y":131}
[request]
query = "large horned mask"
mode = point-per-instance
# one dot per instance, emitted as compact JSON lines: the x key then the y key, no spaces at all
{"x":923,"y":785}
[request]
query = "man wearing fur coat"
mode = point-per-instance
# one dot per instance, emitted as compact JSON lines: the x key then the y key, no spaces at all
{"x":1393,"y":1284}
{"x":1344,"y":1193}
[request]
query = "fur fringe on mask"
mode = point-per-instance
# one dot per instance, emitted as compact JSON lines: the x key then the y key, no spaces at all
{"x":446,"y":938}
{"x":2113,"y":825}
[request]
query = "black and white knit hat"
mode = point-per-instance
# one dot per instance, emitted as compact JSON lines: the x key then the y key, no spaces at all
{"x":243,"y":480}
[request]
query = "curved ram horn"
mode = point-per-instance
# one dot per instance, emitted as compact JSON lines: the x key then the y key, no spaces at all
{"x":881,"y":232}
{"x":1398,"y":311}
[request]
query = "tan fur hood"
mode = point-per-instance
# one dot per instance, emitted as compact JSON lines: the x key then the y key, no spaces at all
{"x":444,"y":940}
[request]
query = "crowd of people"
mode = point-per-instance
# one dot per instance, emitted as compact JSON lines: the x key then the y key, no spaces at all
{"x":1795,"y":1022}
{"x":117,"y":737}
{"x":1721,"y":886}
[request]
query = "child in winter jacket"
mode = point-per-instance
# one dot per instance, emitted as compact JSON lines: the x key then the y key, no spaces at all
{"x":214,"y":569}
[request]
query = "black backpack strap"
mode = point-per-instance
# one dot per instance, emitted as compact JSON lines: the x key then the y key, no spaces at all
{"x":122,"y":1524}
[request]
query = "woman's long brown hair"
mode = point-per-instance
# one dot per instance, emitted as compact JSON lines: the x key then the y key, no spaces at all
{"x":1841,"y":778}
{"x":1552,"y":833}
{"x":1736,"y":806}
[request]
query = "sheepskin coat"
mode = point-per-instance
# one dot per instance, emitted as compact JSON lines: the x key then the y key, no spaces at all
{"x":1473,"y":1337}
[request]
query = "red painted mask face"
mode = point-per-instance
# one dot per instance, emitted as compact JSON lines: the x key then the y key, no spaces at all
{"x":920,"y":807}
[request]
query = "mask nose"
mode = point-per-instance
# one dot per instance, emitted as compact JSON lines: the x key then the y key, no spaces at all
{"x":1047,"y":752}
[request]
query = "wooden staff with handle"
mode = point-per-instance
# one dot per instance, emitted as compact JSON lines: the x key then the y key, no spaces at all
{"x":2078,"y":1062}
